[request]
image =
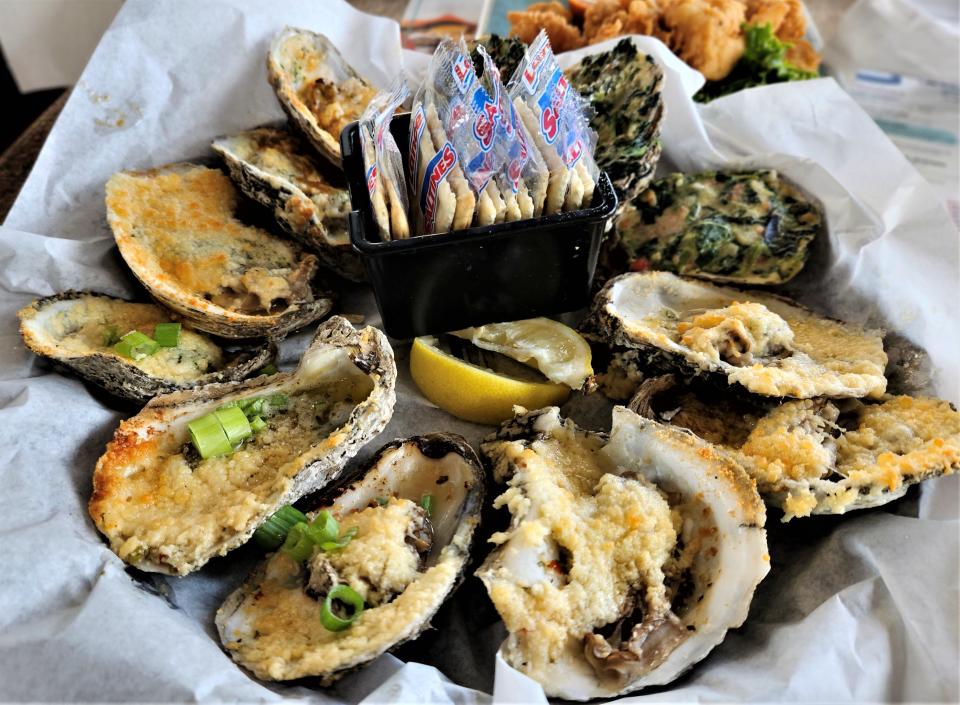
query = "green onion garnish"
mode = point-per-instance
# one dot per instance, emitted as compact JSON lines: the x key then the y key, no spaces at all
{"x":325,"y":527}
{"x":257,"y":424}
{"x":111,"y":335}
{"x":269,"y":369}
{"x":234,"y":423}
{"x":271,"y":534}
{"x":136,"y":345}
{"x":298,"y":544}
{"x":427,"y":503}
{"x":382,"y":501}
{"x":348,"y":596}
{"x":208,"y":436}
{"x":341,"y":542}
{"x":167,"y":335}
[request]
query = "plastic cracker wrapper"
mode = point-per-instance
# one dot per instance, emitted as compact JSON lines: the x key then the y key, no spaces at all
{"x":523,"y":178}
{"x":383,"y":162}
{"x":553,"y":114}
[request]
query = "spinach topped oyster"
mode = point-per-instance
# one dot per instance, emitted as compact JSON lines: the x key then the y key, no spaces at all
{"x":746,"y":227}
{"x":79,"y":329}
{"x":274,"y":168}
{"x":317,"y":88}
{"x":657,"y":322}
{"x":817,"y":456}
{"x":624,"y":88}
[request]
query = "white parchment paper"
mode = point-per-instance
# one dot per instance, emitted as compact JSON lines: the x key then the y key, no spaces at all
{"x":863,"y":607}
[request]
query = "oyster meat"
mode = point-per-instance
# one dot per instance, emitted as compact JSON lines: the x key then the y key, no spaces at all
{"x":165,"y":509}
{"x":317,"y":88}
{"x":177,"y":231}
{"x":274,"y":168}
{"x":817,"y":456}
{"x":403,"y":562}
{"x":657,"y":322}
{"x":627,"y":558}
{"x":76,"y":328}
{"x":746,"y":227}
{"x":624,"y":88}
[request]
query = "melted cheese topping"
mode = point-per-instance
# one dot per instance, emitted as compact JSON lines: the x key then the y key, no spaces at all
{"x":336,"y":105}
{"x":618,"y":533}
{"x":737,"y":333}
{"x":177,"y":231}
{"x":78,"y":327}
{"x":378,"y":562}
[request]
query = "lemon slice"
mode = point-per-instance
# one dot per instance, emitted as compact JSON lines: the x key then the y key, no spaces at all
{"x":558,"y":351}
{"x":475,"y":393}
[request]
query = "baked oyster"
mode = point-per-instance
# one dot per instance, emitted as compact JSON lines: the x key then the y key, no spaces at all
{"x":166,"y":509}
{"x":177,"y":231}
{"x":317,"y":88}
{"x":744,"y":227}
{"x":657,"y":322}
{"x":406,"y":557}
{"x":77,"y":329}
{"x":624,"y":88}
{"x":817,"y":456}
{"x":627,"y":558}
{"x":274,"y":168}
{"x":506,"y":52}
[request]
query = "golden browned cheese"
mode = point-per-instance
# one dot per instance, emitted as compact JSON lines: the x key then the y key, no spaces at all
{"x":177,"y":230}
{"x":336,"y":105}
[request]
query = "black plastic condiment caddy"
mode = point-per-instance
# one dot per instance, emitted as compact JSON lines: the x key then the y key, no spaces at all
{"x":507,"y":272}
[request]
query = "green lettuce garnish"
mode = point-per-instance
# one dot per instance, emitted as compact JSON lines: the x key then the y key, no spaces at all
{"x":764,"y":61}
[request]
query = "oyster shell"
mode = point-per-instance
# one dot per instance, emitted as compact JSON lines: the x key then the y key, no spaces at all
{"x":745,"y":227}
{"x":403,"y":562}
{"x":176,"y":230}
{"x":317,"y":88}
{"x":624,"y":88}
{"x":817,"y":456}
{"x":272,"y":167}
{"x":657,"y":322}
{"x":627,"y":558}
{"x":166,"y":510}
{"x":69,"y":328}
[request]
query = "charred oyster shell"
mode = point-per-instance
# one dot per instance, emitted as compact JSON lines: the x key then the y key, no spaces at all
{"x":69,"y":328}
{"x":745,"y":227}
{"x":176,"y":230}
{"x":817,"y":456}
{"x":624,"y":88}
{"x":628,"y":557}
{"x":657,"y":322}
{"x":164,"y":509}
{"x":317,"y":88}
{"x":272,"y":167}
{"x":405,"y":567}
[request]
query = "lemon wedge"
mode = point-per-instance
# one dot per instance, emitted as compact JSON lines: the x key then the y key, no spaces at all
{"x":558,"y":351}
{"x":475,"y":393}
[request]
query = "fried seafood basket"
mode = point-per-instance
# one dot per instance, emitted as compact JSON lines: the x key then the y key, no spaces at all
{"x":506,"y":272}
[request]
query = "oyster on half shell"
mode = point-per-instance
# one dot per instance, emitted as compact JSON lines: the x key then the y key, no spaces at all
{"x":657,"y":322}
{"x":165,"y":509}
{"x":274,"y":168}
{"x":817,"y":456}
{"x":75,"y":329}
{"x":627,"y":558}
{"x":403,"y":561}
{"x":177,"y":231}
{"x":320,"y":92}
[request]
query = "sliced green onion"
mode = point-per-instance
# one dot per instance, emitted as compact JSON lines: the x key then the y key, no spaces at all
{"x":275,"y":402}
{"x":348,"y":596}
{"x":427,"y":503}
{"x":136,"y":345}
{"x":208,"y":437}
{"x":272,"y":533}
{"x":325,"y":527}
{"x":111,"y":335}
{"x":167,"y":335}
{"x":235,"y":423}
{"x":341,"y":542}
{"x":382,"y":501}
{"x":299,"y":543}
{"x":269,"y":369}
{"x":255,"y":407}
{"x":257,"y":424}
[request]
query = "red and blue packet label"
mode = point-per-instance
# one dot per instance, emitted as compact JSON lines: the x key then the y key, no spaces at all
{"x":438,"y":168}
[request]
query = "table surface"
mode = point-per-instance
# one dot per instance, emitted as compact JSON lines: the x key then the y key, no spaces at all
{"x":18,"y":159}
